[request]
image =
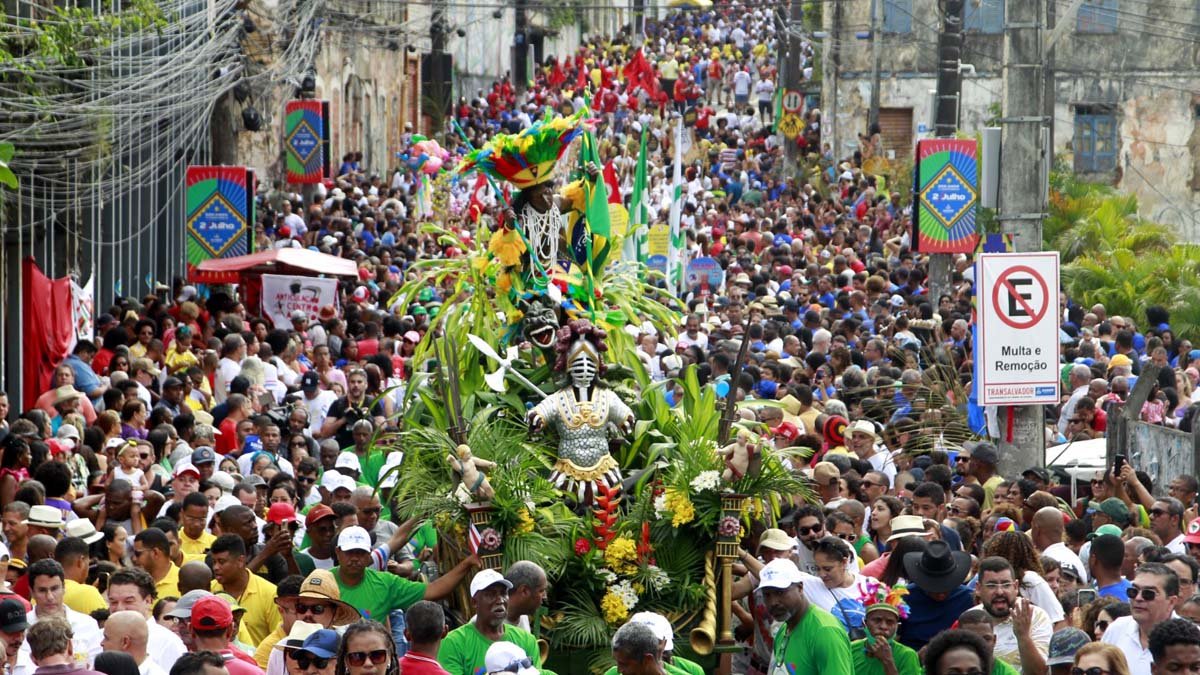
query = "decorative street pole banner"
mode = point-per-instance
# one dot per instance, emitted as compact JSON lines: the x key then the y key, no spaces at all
{"x":220,"y":210}
{"x":1017,"y":299}
{"x":946,"y":185}
{"x":658,"y":246}
{"x":306,"y":140}
{"x":83,"y":308}
{"x":704,"y":272}
{"x":282,"y":295}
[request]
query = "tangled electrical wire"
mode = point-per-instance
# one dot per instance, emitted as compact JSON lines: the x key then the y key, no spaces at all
{"x":133,"y":108}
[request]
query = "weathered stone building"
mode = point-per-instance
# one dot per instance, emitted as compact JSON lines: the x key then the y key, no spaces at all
{"x":1126,"y":77}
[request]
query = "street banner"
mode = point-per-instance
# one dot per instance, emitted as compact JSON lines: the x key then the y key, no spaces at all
{"x":705,"y":273}
{"x":1017,"y":353}
{"x":947,"y":191}
{"x":220,"y":211}
{"x":658,"y":246}
{"x":282,"y":295}
{"x":306,"y":137}
{"x":675,"y":263}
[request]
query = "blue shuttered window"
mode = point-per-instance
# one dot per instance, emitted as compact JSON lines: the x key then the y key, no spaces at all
{"x":897,"y":16}
{"x":1097,"y":16}
{"x":984,"y":16}
{"x":1095,"y":142}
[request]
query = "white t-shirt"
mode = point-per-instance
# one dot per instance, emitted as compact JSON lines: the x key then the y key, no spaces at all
{"x":318,"y":408}
{"x":1041,"y":628}
{"x":227,"y":369}
{"x":134,"y":477}
{"x":1177,"y":545}
{"x":1036,"y":590}
{"x":845,"y":604}
{"x":1123,"y":634}
{"x":741,"y":83}
{"x":163,"y":647}
{"x":86,"y":641}
{"x":1065,"y":556}
{"x":765,"y":90}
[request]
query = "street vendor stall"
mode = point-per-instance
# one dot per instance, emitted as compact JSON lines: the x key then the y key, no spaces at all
{"x":279,"y":281}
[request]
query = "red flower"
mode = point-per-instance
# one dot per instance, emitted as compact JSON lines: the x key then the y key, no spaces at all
{"x":582,"y":546}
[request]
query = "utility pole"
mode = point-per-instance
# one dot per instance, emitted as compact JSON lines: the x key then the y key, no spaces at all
{"x":639,"y":23}
{"x":520,"y":59}
{"x":829,"y":118}
{"x":876,"y":61}
{"x":945,"y":120}
{"x":1022,"y":206}
{"x":793,"y":71}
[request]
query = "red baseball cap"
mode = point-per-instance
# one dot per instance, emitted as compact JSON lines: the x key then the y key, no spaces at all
{"x":282,"y":512}
{"x":786,"y":430}
{"x":211,"y":613}
{"x":317,"y":514}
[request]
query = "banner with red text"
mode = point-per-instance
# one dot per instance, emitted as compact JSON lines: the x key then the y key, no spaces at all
{"x":282,"y":295}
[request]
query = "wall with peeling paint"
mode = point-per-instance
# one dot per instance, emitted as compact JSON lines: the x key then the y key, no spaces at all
{"x":1148,"y":72}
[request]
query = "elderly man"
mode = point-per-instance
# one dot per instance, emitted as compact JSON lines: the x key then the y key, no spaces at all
{"x":132,"y":589}
{"x":809,"y":639}
{"x":1152,"y":599}
{"x":1078,"y":382}
{"x":126,"y":631}
{"x":637,"y":650}
{"x":528,"y":592}
{"x":463,"y":650}
{"x":47,"y":584}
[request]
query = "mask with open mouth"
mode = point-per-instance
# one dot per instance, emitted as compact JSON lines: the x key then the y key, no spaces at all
{"x":540,"y":325}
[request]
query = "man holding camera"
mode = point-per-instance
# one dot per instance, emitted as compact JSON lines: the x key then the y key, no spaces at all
{"x":351,"y":408}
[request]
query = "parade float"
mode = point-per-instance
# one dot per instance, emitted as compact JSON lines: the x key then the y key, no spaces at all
{"x":532,"y":430}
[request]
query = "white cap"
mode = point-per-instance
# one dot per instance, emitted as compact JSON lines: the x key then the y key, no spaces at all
{"x":502,"y":656}
{"x":487,"y":579}
{"x":223,"y":480}
{"x":846,"y":175}
{"x":332,"y":480}
{"x":354,"y":538}
{"x":348,"y":460}
{"x":224,"y":502}
{"x":394,"y":459}
{"x":780,"y":573}
{"x":660,"y":625}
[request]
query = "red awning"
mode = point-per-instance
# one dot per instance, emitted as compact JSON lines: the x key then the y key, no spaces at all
{"x":274,"y":261}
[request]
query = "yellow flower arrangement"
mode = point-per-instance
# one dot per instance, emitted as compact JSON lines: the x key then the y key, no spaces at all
{"x":508,"y":246}
{"x":681,"y":507}
{"x":524,"y":522}
{"x":621,"y":556}
{"x":614,"y":608}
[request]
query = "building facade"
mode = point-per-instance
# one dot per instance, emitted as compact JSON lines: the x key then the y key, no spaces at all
{"x":1126,"y":88}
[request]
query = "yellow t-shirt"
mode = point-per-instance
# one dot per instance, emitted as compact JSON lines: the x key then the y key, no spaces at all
{"x":82,"y":597}
{"x":199,"y":546}
{"x":168,"y":586}
{"x":262,"y":614}
{"x":263,"y":654}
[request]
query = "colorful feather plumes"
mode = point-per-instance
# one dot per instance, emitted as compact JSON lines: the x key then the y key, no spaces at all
{"x":528,"y":158}
{"x":877,"y":595}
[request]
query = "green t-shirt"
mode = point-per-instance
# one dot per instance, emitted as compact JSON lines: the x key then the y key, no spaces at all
{"x":463,"y":650}
{"x":677,"y":666}
{"x":369,"y":466}
{"x":906,"y":660}
{"x":1001,"y":667}
{"x":379,"y":593}
{"x":818,"y":644}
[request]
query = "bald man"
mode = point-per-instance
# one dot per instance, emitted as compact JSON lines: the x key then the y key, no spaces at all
{"x":127,"y":631}
{"x":1046,"y":531}
{"x":194,"y":575}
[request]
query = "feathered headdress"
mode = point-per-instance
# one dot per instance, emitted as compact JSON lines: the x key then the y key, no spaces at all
{"x":528,"y":158}
{"x":877,"y":595}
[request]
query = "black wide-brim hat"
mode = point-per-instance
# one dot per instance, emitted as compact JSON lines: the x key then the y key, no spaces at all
{"x":937,"y":569}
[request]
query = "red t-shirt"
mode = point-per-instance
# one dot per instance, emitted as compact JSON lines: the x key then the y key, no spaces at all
{"x":227,"y":440}
{"x":417,"y":664}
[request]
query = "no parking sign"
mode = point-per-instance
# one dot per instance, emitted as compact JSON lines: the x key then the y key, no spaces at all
{"x":1017,"y":354}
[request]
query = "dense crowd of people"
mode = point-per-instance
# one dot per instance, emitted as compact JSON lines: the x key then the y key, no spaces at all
{"x":197,"y":492}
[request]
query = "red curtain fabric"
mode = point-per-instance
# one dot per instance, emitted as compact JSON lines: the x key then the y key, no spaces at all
{"x":49,"y":333}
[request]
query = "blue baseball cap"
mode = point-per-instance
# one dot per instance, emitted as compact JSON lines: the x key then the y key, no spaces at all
{"x":323,"y":644}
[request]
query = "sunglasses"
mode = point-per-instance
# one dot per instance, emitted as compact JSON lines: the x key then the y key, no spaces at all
{"x":850,"y":537}
{"x":1095,"y":670}
{"x":805,"y":530}
{"x":305,"y":480}
{"x":372,"y":512}
{"x":304,"y":661}
{"x":357,"y":659}
{"x":315,"y":610}
{"x":868,"y":484}
{"x":1148,"y":594}
{"x":1157,"y":512}
{"x":519,"y":665}
{"x":1102,"y":625}
{"x":960,"y":458}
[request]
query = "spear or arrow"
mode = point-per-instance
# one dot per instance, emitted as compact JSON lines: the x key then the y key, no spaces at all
{"x":505,"y":365}
{"x":731,"y":397}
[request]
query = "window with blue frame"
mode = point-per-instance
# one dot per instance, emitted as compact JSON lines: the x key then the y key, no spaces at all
{"x":1095,"y":142}
{"x":897,"y":16}
{"x":984,"y":16}
{"x":1097,"y":16}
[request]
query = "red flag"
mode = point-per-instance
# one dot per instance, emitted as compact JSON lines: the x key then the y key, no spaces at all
{"x":557,"y":76}
{"x":478,"y":202}
{"x":49,"y":333}
{"x":610,"y":180}
{"x":581,"y":82}
{"x":640,"y":75}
